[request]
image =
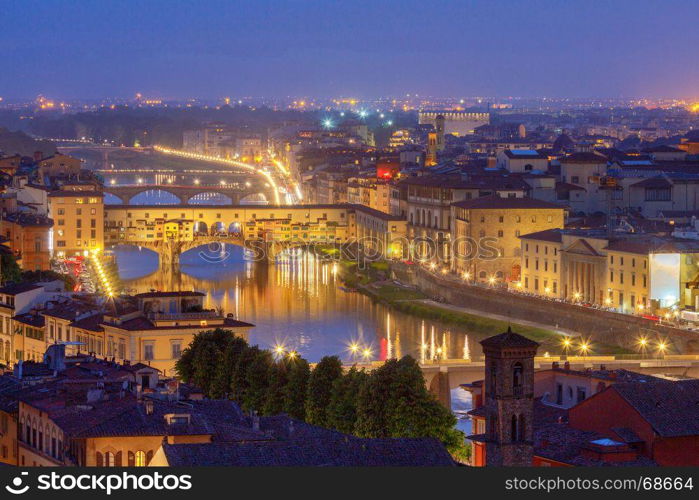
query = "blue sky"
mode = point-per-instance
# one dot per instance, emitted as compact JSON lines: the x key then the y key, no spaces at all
{"x":207,"y":48}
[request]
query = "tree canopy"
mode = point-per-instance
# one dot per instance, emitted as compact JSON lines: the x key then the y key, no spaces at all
{"x":388,"y":402}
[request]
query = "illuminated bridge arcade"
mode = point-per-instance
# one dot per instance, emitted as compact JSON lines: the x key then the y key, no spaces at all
{"x":171,"y":230}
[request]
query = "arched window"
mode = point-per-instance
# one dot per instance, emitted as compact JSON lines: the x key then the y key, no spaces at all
{"x":109,"y":459}
{"x":8,"y":351}
{"x":482,"y":274}
{"x":140,"y":459}
{"x":514,"y":433}
{"x":99,"y":459}
{"x":520,"y":428}
{"x":517,"y":370}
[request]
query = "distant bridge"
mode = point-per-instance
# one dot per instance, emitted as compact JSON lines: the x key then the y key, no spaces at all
{"x":183,"y":193}
{"x":104,"y":149}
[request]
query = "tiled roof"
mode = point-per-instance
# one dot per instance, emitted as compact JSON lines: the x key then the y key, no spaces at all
{"x":16,"y":289}
{"x":324,"y":450}
{"x":508,"y":339}
{"x":671,"y":408}
{"x":551,"y":235}
{"x":498,"y":202}
{"x":584,"y":158}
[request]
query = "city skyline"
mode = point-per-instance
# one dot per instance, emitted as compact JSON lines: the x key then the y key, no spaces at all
{"x":498,"y":49}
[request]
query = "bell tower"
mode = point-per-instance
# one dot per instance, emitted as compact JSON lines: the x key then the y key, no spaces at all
{"x":509,"y":399}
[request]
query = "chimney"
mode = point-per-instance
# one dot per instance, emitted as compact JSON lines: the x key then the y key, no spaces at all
{"x":566,"y":365}
{"x":491,"y":161}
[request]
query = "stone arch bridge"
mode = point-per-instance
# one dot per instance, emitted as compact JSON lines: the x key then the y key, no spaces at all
{"x":183,"y":193}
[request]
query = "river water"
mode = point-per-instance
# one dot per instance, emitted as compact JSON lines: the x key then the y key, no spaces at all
{"x":300,"y":304}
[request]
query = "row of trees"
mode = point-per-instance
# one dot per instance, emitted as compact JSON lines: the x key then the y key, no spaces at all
{"x":390,"y":401}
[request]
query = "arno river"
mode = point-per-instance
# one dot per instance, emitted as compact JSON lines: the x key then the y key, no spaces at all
{"x":299,"y":304}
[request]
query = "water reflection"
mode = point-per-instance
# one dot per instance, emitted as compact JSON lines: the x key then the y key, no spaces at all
{"x":298,"y":303}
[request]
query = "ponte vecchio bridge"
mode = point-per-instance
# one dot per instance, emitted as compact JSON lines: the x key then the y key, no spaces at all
{"x":171,"y":230}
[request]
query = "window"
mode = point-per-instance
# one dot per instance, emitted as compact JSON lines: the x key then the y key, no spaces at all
{"x":109,"y":459}
{"x":176,"y":349}
{"x":517,"y":375}
{"x":148,"y":352}
{"x":140,"y":459}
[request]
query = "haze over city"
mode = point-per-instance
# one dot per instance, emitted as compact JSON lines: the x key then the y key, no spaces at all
{"x":365,"y":49}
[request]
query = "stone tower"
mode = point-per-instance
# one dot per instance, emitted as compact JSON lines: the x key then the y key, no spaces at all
{"x":509,"y":399}
{"x":439,"y":128}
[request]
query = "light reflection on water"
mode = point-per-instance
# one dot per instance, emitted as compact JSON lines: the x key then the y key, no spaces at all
{"x":298,"y":303}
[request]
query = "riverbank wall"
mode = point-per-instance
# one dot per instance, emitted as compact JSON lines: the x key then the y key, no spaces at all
{"x":602,"y":326}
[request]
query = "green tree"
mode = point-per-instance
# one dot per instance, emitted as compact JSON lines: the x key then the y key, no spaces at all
{"x":342,"y":410}
{"x":394,"y":402}
{"x":10,"y":269}
{"x":234,"y":349}
{"x":239,"y":377}
{"x":206,"y":357}
{"x":320,"y":386}
{"x":297,"y":388}
{"x":257,"y":379}
{"x":375,"y":396}
{"x":278,"y":379}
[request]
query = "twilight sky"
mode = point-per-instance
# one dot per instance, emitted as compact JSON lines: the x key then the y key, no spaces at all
{"x":364,"y":48}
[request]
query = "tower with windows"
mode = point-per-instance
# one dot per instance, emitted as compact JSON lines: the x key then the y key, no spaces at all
{"x":509,"y":399}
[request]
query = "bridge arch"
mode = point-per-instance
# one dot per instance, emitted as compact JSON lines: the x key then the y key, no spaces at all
{"x":113,"y":199}
{"x":254,"y":198}
{"x":211,"y":197}
{"x":155,"y":196}
{"x":200,"y":227}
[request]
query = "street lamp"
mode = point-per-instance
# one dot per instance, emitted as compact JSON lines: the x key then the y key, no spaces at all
{"x":566,"y":345}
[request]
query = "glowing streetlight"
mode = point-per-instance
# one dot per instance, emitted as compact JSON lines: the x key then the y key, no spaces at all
{"x":354,"y":348}
{"x":279,"y":350}
{"x":366,"y":353}
{"x":577,"y":295}
{"x":467,"y":275}
{"x":491,"y":280}
{"x":662,"y":347}
{"x":292,"y":354}
{"x":566,"y":344}
{"x":584,"y":348}
{"x":328,"y":123}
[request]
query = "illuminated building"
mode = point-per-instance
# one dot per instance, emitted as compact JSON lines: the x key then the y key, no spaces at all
{"x":78,"y":215}
{"x":28,"y":238}
{"x":455,"y":122}
{"x":638,"y":274}
{"x":494,"y":225}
